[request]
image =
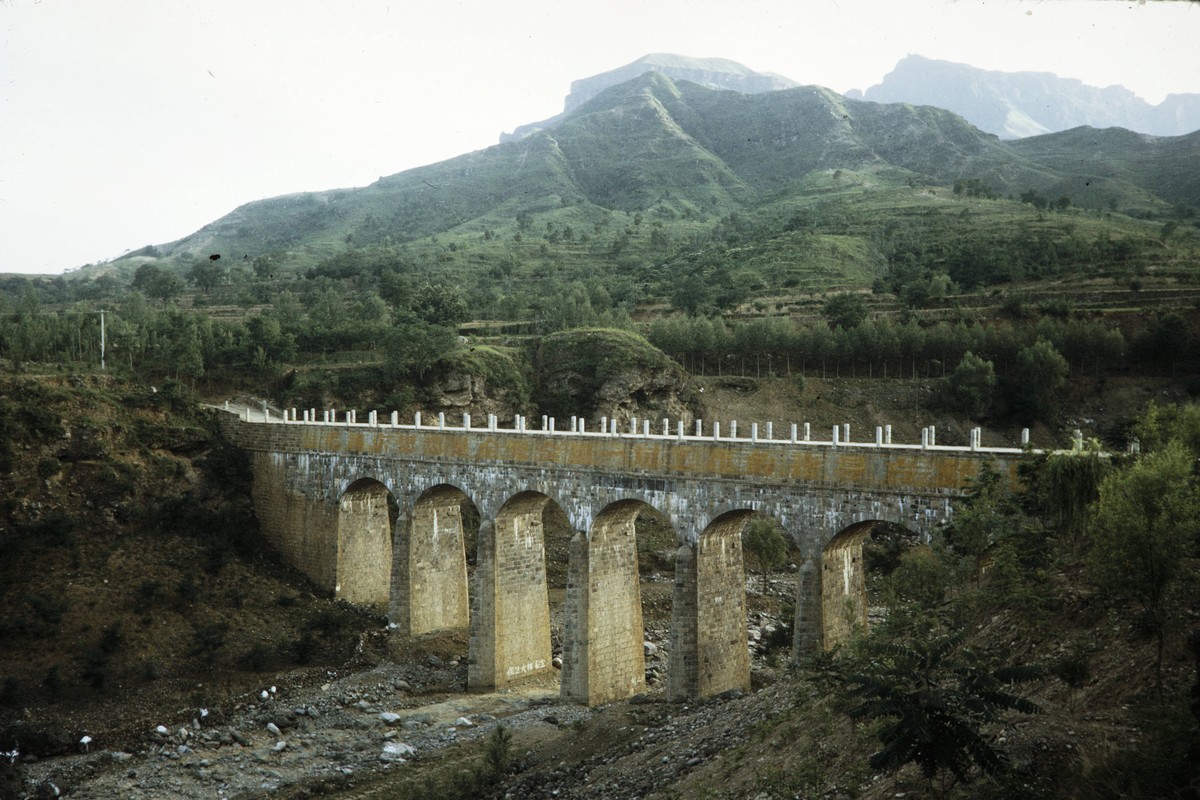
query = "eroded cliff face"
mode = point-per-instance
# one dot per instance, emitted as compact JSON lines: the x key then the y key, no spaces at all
{"x":610,"y":373}
{"x":458,"y":393}
{"x":652,"y":394}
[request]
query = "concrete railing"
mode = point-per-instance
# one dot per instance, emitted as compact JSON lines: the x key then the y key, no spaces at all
{"x":797,"y":434}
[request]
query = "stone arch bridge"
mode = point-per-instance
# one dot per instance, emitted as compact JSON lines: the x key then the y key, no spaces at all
{"x":374,"y":512}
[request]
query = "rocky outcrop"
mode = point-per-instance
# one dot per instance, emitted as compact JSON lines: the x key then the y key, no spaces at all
{"x":616,"y":374}
{"x":458,"y":393}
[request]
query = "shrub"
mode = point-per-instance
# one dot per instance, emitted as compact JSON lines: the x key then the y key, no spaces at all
{"x":207,"y":642}
{"x":47,"y":609}
{"x":48,"y":467}
{"x":258,"y":658}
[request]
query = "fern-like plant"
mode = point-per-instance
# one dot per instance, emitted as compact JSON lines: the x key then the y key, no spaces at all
{"x":935,"y":697}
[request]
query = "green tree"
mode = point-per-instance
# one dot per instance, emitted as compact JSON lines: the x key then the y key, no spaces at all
{"x":165,"y":286}
{"x":156,"y":282}
{"x":414,"y":347}
{"x":1146,"y":524}
{"x":934,"y":697}
{"x":987,"y":516}
{"x":207,"y":275}
{"x":765,"y":544}
{"x":845,"y":310}
{"x":971,"y":387}
{"x":1066,"y":486}
{"x":1038,"y":378}
{"x":439,"y":304}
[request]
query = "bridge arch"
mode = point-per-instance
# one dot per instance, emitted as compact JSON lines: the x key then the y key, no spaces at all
{"x":429,"y":587}
{"x":603,"y":640}
{"x":843,"y":581}
{"x":510,"y":629}
{"x":367,"y":513}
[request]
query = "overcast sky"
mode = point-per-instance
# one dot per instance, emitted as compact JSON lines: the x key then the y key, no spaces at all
{"x":132,"y":122}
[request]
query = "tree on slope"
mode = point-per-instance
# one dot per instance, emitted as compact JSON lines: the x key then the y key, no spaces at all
{"x":934,"y":697}
{"x":1146,"y":525}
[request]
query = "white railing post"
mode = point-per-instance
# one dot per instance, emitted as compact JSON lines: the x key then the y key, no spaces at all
{"x":583,"y":425}
{"x":794,"y":426}
{"x":633,"y":426}
{"x":834,"y":439}
{"x":733,"y":429}
{"x":466,"y":421}
{"x":679,"y":426}
{"x":417,"y":420}
{"x":1024,"y":437}
{"x":646,"y":428}
{"x":699,"y":428}
{"x":846,"y":433}
{"x":879,"y":436}
{"x":441,"y":420}
{"x":574,"y":424}
{"x":604,"y":424}
{"x":924,"y":438}
{"x":754,"y":431}
{"x":887,"y":434}
{"x":807,"y":432}
{"x":294,"y":417}
{"x":666,"y":426}
{"x":932,"y":436}
{"x":612,"y":424}
{"x":545,"y":422}
{"x":266,"y":414}
{"x":716,"y":430}
{"x":770,"y":431}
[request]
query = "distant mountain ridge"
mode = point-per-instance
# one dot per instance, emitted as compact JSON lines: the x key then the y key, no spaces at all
{"x":712,"y":73}
{"x":1014,"y":105}
{"x":685,"y":153}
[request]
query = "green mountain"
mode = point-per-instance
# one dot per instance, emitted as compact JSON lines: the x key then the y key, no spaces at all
{"x":681,"y":157}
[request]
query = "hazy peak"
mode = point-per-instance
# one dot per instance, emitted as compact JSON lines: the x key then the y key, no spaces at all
{"x":1018,"y":104}
{"x":713,"y":73}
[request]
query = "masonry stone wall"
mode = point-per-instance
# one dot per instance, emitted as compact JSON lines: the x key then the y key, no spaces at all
{"x":721,"y":646}
{"x":844,"y":586}
{"x":521,"y":599}
{"x":611,"y":617}
{"x":437,"y":563}
{"x":302,"y":471}
{"x":296,"y":523}
{"x":364,"y":541}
